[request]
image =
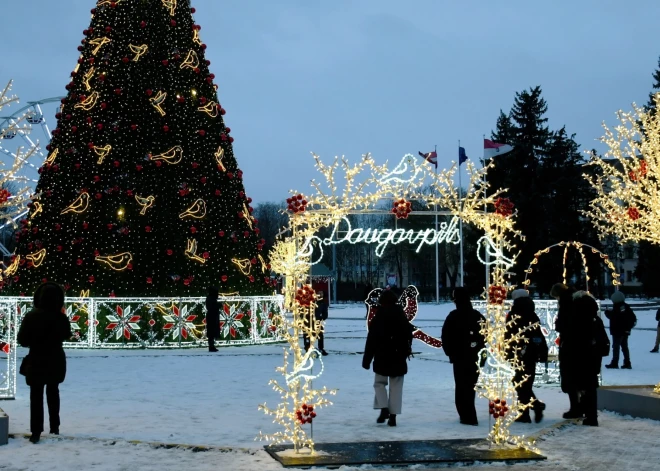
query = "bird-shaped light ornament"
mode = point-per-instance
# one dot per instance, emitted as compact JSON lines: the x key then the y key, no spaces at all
{"x":146,"y":203}
{"x":79,"y":205}
{"x":118,"y":262}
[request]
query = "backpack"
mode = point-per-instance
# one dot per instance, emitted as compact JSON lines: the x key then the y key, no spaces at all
{"x":600,"y":342}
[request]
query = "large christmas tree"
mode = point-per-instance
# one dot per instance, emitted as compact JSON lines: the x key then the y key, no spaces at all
{"x":141,"y":194}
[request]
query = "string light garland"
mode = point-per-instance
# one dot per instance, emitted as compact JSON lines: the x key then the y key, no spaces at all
{"x":365,"y":186}
{"x":120,"y":173}
{"x":579,"y":247}
{"x":15,"y":194}
{"x":627,"y":180}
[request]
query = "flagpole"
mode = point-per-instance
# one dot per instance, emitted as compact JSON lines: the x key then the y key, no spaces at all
{"x":485,"y":211}
{"x":460,"y":221}
{"x":435,"y":209}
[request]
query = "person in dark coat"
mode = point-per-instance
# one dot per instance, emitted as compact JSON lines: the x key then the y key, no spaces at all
{"x":586,"y":343}
{"x":462,"y":341}
{"x":622,"y":320}
{"x":389,"y":344}
{"x":43,"y":330}
{"x":657,"y":335}
{"x":320,"y":314}
{"x":564,"y":296}
{"x":531,"y":349}
{"x":212,"y":317}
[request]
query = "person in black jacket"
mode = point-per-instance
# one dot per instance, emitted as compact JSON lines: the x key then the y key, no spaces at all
{"x":622,"y":320}
{"x":389,"y":344}
{"x":43,"y":330}
{"x":657,"y":336}
{"x":586,"y":345}
{"x":320,"y":314}
{"x":212,"y":317}
{"x":531,"y":348}
{"x":462,"y":341}
{"x":564,"y":296}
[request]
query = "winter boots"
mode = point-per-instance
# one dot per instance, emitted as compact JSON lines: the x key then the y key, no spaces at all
{"x":655,"y":350}
{"x":612,"y":366}
{"x":626,"y":366}
{"x":384,"y":415}
{"x":538,"y":407}
{"x":392,"y":420}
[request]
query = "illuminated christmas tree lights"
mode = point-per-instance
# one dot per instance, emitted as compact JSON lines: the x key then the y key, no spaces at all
{"x":141,"y":194}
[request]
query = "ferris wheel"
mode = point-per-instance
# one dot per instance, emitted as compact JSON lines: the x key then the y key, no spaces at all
{"x":27,"y":143}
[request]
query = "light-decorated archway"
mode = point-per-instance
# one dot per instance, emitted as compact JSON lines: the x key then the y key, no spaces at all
{"x":366,"y":185}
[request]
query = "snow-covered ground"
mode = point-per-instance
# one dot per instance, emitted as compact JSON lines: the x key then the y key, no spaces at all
{"x":192,"y":397}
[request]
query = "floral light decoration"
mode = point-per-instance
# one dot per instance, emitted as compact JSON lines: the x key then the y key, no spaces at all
{"x":627,"y":180}
{"x":401,"y":208}
{"x":366,"y":185}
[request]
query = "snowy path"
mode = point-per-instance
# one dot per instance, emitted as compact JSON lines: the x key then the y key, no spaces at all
{"x":193,"y":397}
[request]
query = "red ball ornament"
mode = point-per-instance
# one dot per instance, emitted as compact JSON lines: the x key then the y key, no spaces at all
{"x":202,"y":132}
{"x":104,"y":105}
{"x":125,"y":60}
{"x":99,"y":126}
{"x":116,"y":163}
{"x":193,"y":10}
{"x":79,"y":262}
{"x":59,"y":248}
{"x":149,"y":280}
{"x":97,"y":178}
{"x":91,"y":279}
{"x":206,"y":255}
{"x":223,"y":278}
{"x":150,"y":92}
{"x":203,"y":179}
{"x":246,"y":234}
{"x":158,"y":163}
{"x":108,"y":29}
{"x":74,"y":128}
{"x":97,"y":253}
{"x":173,"y":22}
{"x":165,"y":62}
{"x":138,"y":168}
{"x":110,"y":226}
{"x":85,"y":225}
{"x":143,"y":24}
{"x":193,"y":229}
{"x":218,"y":193}
{"x":169,"y":252}
{"x":181,"y":99}
{"x":251,"y":278}
{"x":166,"y":128}
{"x":98,"y":196}
{"x":133,"y":127}
{"x":117,"y":91}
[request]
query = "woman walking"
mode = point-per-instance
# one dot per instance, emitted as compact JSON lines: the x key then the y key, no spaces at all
{"x":43,"y":330}
{"x":389,"y":344}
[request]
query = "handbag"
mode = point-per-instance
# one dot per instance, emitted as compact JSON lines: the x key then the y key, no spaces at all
{"x":26,"y":365}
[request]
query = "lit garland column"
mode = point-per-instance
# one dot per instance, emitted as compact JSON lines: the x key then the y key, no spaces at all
{"x":627,"y":204}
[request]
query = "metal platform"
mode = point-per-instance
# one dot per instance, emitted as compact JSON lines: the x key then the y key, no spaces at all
{"x":422,"y":452}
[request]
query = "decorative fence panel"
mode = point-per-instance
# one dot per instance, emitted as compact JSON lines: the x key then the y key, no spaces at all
{"x":547,"y":311}
{"x":142,"y":323}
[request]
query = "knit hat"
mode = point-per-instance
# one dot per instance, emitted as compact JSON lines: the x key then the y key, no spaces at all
{"x":618,"y":297}
{"x":519,"y":293}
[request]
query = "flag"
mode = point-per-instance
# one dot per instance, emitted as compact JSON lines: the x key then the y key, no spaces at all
{"x":493,"y":149}
{"x":462,"y":156}
{"x":431,"y":157}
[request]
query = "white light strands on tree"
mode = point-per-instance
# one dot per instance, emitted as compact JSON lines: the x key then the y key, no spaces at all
{"x":627,"y":204}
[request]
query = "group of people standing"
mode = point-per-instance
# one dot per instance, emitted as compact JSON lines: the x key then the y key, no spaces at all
{"x":583,"y":344}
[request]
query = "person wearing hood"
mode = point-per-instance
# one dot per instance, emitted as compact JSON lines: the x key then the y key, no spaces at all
{"x":212,"y":317}
{"x":462,"y":341}
{"x":531,"y":348}
{"x":622,"y":320}
{"x":389,"y":344}
{"x":564,"y":296}
{"x":42,"y":330}
{"x":586,"y":345}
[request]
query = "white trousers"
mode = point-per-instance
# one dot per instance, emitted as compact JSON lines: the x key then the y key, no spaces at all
{"x":395,"y":400}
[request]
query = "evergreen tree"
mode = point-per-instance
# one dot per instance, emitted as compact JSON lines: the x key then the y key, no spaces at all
{"x":526,"y":130}
{"x":141,"y":194}
{"x":543,"y":175}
